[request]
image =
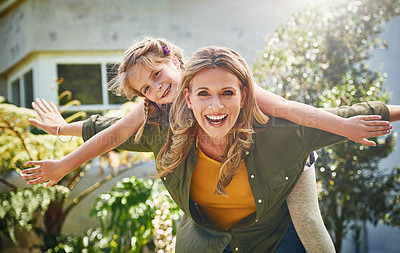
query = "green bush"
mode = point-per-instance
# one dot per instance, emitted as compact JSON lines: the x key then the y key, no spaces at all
{"x":127,"y":214}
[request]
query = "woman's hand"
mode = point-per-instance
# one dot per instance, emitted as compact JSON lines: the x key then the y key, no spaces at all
{"x":359,"y":128}
{"x":50,"y":171}
{"x":49,"y":114}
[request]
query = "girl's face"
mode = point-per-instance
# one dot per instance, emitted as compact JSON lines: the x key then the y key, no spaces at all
{"x":160,"y":85}
{"x":215,"y":100}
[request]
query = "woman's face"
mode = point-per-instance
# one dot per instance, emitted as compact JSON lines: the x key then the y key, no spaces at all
{"x":160,"y":85}
{"x":215,"y":100}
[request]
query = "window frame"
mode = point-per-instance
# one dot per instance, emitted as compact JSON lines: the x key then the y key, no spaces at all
{"x":81,"y":60}
{"x":20,"y":77}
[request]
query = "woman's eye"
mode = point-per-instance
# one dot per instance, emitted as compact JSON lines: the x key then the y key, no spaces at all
{"x":202,"y":93}
{"x":228,"y":93}
{"x":146,"y":89}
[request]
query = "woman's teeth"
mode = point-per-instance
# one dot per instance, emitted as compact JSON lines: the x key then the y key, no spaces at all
{"x":213,"y":119}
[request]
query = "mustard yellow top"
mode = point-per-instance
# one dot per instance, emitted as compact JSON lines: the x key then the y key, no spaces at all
{"x":224,"y":212}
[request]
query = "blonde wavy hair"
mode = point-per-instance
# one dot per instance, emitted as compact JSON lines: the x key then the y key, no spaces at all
{"x":183,"y":124}
{"x":149,"y":52}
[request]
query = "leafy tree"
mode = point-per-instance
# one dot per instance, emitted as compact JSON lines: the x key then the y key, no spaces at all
{"x":40,"y":209}
{"x":320,"y":57}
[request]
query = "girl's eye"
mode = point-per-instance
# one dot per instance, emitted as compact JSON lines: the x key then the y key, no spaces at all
{"x":146,"y":89}
{"x":156,"y":74}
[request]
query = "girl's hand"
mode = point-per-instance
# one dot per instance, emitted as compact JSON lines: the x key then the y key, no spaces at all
{"x":49,"y":114}
{"x":359,"y":128}
{"x":50,"y":171}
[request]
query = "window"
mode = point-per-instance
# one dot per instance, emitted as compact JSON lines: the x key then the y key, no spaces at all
{"x":83,"y":81}
{"x":112,"y":70}
{"x":88,"y":84}
{"x":15,"y":92}
{"x":28,"y":85}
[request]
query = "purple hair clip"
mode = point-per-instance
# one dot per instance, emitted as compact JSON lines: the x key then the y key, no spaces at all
{"x":166,"y":50}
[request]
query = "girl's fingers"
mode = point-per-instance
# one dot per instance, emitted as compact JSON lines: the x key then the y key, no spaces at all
{"x":377,"y":133}
{"x":377,"y":123}
{"x":38,"y":110}
{"x":55,"y":109}
{"x":48,"y":107}
{"x":41,"y":106}
{"x":36,"y":122}
{"x":367,"y":142}
{"x":378,"y":128}
{"x":371,"y":117}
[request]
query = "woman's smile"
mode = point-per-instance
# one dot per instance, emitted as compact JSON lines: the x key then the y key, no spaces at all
{"x":215,"y":98}
{"x":216,"y":120}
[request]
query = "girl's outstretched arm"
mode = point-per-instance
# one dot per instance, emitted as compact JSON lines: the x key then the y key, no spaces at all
{"x":51,"y":119}
{"x":306,"y":217}
{"x":394,"y":111}
{"x":54,"y":170}
{"x":357,"y":128}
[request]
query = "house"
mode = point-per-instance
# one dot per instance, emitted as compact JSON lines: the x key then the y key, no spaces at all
{"x":82,"y":42}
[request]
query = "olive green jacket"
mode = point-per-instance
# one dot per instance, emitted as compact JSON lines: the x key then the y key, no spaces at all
{"x":274,"y":163}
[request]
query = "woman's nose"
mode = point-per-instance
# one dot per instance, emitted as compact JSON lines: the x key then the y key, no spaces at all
{"x":215,"y":103}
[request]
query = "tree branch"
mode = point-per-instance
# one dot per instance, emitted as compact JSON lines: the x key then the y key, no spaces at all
{"x":8,"y":184}
{"x":94,"y":187}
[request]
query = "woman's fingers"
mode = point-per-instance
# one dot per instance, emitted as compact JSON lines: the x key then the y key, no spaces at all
{"x":51,"y":183}
{"x":34,"y":163}
{"x":32,"y":176}
{"x":36,"y":181}
{"x":31,"y":170}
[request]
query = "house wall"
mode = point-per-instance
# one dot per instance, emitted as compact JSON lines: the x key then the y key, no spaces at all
{"x":39,"y":33}
{"x":58,"y":25}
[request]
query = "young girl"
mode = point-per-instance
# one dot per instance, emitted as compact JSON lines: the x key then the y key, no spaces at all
{"x":152,"y":68}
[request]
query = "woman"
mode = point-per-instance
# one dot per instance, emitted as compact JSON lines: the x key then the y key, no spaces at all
{"x":215,"y":117}
{"x":264,"y":228}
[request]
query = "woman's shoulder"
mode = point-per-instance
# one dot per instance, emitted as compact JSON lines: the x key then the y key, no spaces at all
{"x":273,"y":124}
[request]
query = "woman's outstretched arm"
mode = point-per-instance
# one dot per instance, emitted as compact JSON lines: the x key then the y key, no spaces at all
{"x":52,"y":171}
{"x":357,"y":128}
{"x":306,"y":216}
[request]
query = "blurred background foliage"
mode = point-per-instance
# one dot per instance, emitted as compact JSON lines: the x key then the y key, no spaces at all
{"x":320,"y":57}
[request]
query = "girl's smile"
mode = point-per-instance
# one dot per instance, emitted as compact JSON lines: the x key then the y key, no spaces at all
{"x":159,"y":85}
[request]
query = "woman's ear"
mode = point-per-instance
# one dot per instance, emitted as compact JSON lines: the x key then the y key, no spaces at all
{"x":186,"y":93}
{"x":244,"y":94}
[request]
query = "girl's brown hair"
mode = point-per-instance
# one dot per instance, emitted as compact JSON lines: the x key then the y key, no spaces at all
{"x":149,"y":52}
{"x":183,"y":124}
